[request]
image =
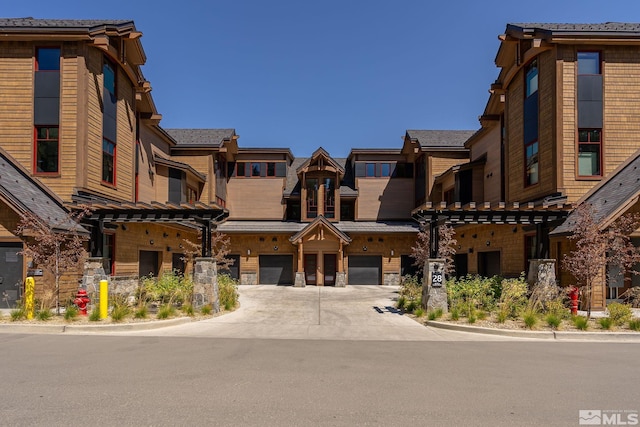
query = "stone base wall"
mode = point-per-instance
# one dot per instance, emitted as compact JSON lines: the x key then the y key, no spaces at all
{"x":341,"y":280}
{"x":249,"y":278}
{"x":391,"y":279}
{"x":205,"y":284}
{"x":434,"y":295}
{"x":300,"y":281}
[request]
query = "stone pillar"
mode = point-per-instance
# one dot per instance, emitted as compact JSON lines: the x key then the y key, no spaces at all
{"x":205,"y":284}
{"x":93,"y":274}
{"x":434,"y":288}
{"x":300,"y":280}
{"x":341,"y":279}
{"x":542,"y":279}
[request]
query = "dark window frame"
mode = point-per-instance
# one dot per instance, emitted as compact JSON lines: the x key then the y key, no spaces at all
{"x":111,"y":179}
{"x":527,"y":168}
{"x":529,"y":77}
{"x":36,"y":156}
{"x":37,"y":66}
{"x":108,"y":156}
{"x":599,"y":62}
{"x":589,"y":143}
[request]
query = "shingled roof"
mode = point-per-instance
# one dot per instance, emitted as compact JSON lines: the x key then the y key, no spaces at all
{"x":24,"y":194}
{"x":293,"y":185}
{"x":201,"y":137}
{"x":21,"y":24}
{"x":559,"y":28}
{"x":612,"y":196}
{"x":440,"y":138}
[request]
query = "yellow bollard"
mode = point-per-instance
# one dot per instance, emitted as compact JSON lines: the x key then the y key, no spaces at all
{"x":104,"y":299}
{"x":29,"y":291}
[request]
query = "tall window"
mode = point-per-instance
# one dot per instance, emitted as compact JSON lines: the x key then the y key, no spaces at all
{"x":47,"y":149}
{"x":589,"y":115}
{"x":46,"y":111}
{"x":109,"y":123}
{"x":312,"y":197}
{"x":329,"y":198}
{"x":531,"y":124}
{"x":589,"y":149}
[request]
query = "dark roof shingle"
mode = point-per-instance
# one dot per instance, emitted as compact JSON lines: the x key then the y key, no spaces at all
{"x":201,"y":137}
{"x":440,"y":138}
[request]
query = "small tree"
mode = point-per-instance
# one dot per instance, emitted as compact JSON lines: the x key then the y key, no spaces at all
{"x":57,"y":248}
{"x":220,"y":244}
{"x":595,"y":248}
{"x":421,"y":252}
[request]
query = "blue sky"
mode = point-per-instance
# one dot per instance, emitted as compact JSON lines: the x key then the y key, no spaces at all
{"x":339,"y":74}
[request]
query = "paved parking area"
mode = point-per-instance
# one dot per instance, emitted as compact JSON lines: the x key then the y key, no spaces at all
{"x":285,"y":312}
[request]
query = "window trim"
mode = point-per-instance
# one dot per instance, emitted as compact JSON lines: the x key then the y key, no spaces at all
{"x":36,"y":64}
{"x":577,"y":160}
{"x":35,"y":151}
{"x":527,"y":183}
{"x":599,"y":62}
{"x":263,"y":169}
{"x":115,"y":156}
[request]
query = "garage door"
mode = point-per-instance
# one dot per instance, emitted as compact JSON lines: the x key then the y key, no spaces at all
{"x":365,"y":270}
{"x":276,"y":269}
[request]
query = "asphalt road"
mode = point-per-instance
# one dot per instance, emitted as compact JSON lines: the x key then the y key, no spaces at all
{"x":132,"y":380}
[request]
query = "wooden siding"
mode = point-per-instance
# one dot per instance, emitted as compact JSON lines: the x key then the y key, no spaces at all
{"x":438,"y":165}
{"x":489,"y":144}
{"x":131,"y":241}
{"x":255,"y":198}
{"x":381,"y":245}
{"x":384,"y":198}
{"x":150,"y":144}
{"x":204,"y":165}
{"x":241,"y":243}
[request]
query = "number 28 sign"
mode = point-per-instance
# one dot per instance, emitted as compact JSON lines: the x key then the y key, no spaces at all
{"x":436,"y":279}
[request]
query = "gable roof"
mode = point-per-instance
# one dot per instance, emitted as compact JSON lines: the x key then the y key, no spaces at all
{"x":24,"y":194}
{"x":320,"y":221}
{"x":201,"y":138}
{"x":321,"y":152}
{"x":79,"y":25}
{"x":293,"y":185}
{"x":440,"y":139}
{"x":612,"y":196}
{"x":573,"y":29}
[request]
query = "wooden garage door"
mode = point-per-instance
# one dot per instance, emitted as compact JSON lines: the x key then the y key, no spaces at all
{"x":276,"y":269}
{"x":365,"y":270}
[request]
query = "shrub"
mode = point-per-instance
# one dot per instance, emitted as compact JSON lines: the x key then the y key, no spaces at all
{"x":171,"y":287}
{"x":95,"y":315}
{"x":166,"y":311}
{"x":44,"y":315}
{"x":70,"y":313}
{"x":18,"y":314}
{"x":419,"y":312}
{"x":481,"y":315}
{"x":605,"y":322}
{"x":472,"y":318}
{"x":188,"y":310}
{"x":454,"y":313}
{"x":557,"y":307}
{"x":619,"y":313}
{"x":431,"y":315}
{"x":471,"y":293}
{"x":581,"y":322}
{"x":411,"y":306}
{"x":401,"y":302}
{"x":227,"y":291}
{"x":502,"y":316}
{"x":438,"y":312}
{"x":632,"y":296}
{"x":530,"y":318}
{"x":141,"y":312}
{"x":513,"y":298}
{"x":206,"y":309}
{"x":410,"y":293}
{"x":634,"y":324}
{"x":553,"y":320}
{"x":119,"y":312}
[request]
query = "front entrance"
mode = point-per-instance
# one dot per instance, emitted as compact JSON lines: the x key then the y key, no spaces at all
{"x":10,"y":274}
{"x":327,"y":269}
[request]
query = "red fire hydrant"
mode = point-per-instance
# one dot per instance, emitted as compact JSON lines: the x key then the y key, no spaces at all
{"x":82,"y":301}
{"x":573,"y":294}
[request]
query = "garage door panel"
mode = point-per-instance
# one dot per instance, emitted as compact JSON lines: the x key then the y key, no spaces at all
{"x":365,"y":270}
{"x":276,"y":269}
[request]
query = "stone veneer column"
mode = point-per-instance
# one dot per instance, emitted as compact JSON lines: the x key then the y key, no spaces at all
{"x":542,"y":278}
{"x":434,"y":288}
{"x":300,"y":280}
{"x":93,"y":274}
{"x":341,"y":279}
{"x":205,"y":283}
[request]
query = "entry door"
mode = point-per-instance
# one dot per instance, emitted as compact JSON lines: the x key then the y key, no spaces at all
{"x":310,"y":269}
{"x":329,"y":269}
{"x":462,"y":267}
{"x":10,"y":274}
{"x":149,"y":263}
{"x":489,"y":263}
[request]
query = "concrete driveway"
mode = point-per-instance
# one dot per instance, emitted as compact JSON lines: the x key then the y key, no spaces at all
{"x":285,"y":312}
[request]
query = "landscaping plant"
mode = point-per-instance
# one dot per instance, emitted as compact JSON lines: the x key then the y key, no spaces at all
{"x":619,"y":313}
{"x":605,"y":322}
{"x":70,"y":313}
{"x":227,"y":291}
{"x":553,"y":320}
{"x":530,"y":318}
{"x":512,"y":299}
{"x":470,"y":293}
{"x":634,"y":324}
{"x":581,"y":322}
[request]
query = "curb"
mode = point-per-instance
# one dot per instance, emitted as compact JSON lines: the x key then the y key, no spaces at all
{"x":548,"y":335}
{"x":23,"y":328}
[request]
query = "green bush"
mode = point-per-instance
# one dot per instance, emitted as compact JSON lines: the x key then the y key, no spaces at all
{"x":530,"y":318}
{"x":634,"y":324}
{"x":472,"y":318}
{"x":171,"y":287}
{"x":141,"y":312}
{"x":166,"y":311}
{"x":188,"y":310}
{"x":558,"y":308}
{"x":454,"y":313}
{"x":401,"y":302}
{"x":432,"y":315}
{"x":411,"y":306}
{"x":18,"y":314}
{"x":513,"y":298}
{"x":553,"y":320}
{"x":502,"y":316}
{"x":44,"y":315}
{"x":206,"y":309}
{"x":481,"y":315}
{"x":605,"y":322}
{"x":619,"y":313}
{"x":95,"y":315}
{"x":581,"y":322}
{"x":119,"y":313}
{"x":419,"y":312}
{"x":471,"y":293}
{"x":70,"y":313}
{"x":227,"y":291}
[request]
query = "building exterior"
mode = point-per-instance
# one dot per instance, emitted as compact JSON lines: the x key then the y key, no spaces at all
{"x":81,"y":128}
